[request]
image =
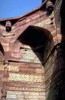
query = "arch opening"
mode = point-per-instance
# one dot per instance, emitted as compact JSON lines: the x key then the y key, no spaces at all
{"x":38,"y":39}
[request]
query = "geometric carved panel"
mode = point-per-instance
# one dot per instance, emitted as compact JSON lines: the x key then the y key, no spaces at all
{"x":27,"y":55}
{"x":26,"y":78}
{"x":17,"y":95}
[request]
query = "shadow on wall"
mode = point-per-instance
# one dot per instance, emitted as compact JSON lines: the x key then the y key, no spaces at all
{"x":56,"y":91}
{"x":38,"y":39}
{"x":1,"y":54}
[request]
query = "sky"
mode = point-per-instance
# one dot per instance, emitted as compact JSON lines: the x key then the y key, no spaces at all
{"x":12,"y":8}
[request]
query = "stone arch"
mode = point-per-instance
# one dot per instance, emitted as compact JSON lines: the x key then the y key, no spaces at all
{"x":39,"y":39}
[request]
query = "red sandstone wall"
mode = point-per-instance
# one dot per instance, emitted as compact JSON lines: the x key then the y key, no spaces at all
{"x":25,"y":77}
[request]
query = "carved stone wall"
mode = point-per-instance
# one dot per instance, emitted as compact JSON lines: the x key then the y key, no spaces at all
{"x":29,"y":64}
